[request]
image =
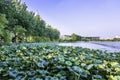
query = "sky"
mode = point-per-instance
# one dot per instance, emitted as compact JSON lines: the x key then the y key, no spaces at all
{"x":84,"y":17}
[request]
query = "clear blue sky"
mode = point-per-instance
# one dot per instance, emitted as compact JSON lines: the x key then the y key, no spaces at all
{"x":83,"y":17}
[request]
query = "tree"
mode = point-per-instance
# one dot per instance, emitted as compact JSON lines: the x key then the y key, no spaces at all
{"x":3,"y":22}
{"x":39,"y":28}
{"x":74,"y":37}
{"x":53,"y":34}
{"x":7,"y":37}
{"x":23,"y":23}
{"x":56,"y":34}
{"x":19,"y":33}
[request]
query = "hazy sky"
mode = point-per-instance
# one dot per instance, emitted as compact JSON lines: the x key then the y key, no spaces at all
{"x":83,"y":17}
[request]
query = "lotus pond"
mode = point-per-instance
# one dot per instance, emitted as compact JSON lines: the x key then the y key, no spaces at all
{"x":53,"y":62}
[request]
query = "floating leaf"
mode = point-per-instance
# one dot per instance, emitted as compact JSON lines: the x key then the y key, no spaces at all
{"x":97,"y":76}
{"x":68,"y":63}
{"x":40,"y":65}
{"x":89,"y":66}
{"x":12,"y":74}
{"x":77,"y":69}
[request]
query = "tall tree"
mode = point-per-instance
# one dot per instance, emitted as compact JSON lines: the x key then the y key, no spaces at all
{"x":3,"y":22}
{"x":39,"y":28}
{"x":23,"y":23}
{"x":19,"y":33}
{"x":53,"y":34}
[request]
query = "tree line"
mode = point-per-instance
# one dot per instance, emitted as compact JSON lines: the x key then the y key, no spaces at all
{"x":75,"y":37}
{"x":17,"y":24}
{"x":72,"y":38}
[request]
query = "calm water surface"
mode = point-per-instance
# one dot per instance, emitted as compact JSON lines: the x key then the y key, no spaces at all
{"x":108,"y":46}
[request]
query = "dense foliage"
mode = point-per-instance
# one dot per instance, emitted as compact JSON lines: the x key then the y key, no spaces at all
{"x":23,"y":25}
{"x":73,"y":37}
{"x":52,"y":62}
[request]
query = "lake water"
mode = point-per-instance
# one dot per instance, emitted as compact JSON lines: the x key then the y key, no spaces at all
{"x":108,"y":46}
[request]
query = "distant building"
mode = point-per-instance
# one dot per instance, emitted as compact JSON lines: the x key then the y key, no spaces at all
{"x":93,"y":38}
{"x":82,"y":38}
{"x":117,"y":36}
{"x":65,"y":36}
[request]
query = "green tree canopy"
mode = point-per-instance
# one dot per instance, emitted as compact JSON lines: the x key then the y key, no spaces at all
{"x":23,"y":23}
{"x":3,"y":22}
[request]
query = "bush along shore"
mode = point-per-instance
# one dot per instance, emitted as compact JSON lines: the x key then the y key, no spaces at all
{"x":52,"y":62}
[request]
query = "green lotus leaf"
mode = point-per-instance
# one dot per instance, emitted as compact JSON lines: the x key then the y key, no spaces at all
{"x":98,"y":61}
{"x":117,"y":77}
{"x":13,"y":74}
{"x":37,"y":61}
{"x":97,"y":76}
{"x":68,"y":63}
{"x":31,"y":73}
{"x":89,"y":66}
{"x":43,"y":72}
{"x":114,"y":64}
{"x":58,"y":75}
{"x":1,"y":69}
{"x":24,"y":48}
{"x":83,"y":64}
{"x":45,"y":63}
{"x":48,"y":78}
{"x":54,"y":78}
{"x":77,"y":69}
{"x":61,"y":58}
{"x":59,"y":67}
{"x":38,"y":79}
{"x":40,"y":65}
{"x":77,"y":63}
